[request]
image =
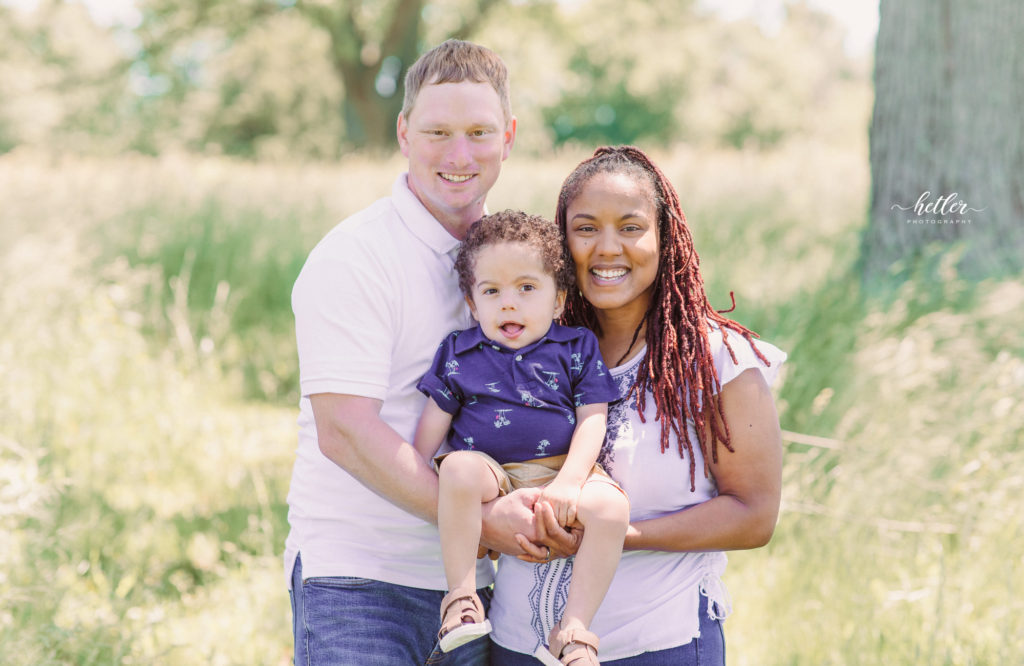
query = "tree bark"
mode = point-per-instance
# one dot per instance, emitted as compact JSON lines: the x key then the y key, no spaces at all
{"x":372,"y":45}
{"x":947,"y":131}
{"x":371,"y":112}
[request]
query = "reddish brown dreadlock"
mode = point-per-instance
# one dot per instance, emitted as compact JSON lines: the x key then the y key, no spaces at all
{"x":678,"y":368}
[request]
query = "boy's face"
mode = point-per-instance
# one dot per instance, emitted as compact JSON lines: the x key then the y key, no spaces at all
{"x":456,"y":138}
{"x":514,"y":298}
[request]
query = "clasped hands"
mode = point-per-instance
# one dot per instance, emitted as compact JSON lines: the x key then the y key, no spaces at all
{"x":524,"y":523}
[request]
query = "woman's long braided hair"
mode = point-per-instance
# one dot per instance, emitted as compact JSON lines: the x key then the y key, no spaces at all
{"x":678,"y":368}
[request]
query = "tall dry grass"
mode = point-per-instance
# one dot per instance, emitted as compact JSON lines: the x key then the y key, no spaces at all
{"x":148,"y":388}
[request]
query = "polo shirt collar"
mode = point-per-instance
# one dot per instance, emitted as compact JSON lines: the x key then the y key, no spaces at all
{"x":419,"y":221}
{"x":473,"y":337}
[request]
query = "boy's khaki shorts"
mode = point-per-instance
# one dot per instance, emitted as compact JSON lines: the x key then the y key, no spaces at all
{"x":531,"y":473}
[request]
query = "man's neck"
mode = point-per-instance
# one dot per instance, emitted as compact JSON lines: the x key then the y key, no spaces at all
{"x":458,"y":229}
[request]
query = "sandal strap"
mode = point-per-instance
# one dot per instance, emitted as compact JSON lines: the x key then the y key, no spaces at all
{"x":582,"y":637}
{"x":458,"y":604}
{"x":581,"y":656}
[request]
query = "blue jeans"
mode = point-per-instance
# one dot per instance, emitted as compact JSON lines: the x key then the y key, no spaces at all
{"x":342,"y":621}
{"x":708,"y":650}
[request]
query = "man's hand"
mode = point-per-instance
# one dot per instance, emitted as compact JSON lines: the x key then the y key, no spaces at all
{"x":507,"y":518}
{"x":552,"y":541}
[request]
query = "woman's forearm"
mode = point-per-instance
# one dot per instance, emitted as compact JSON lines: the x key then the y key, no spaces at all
{"x":748,"y":478}
{"x":722,"y":523}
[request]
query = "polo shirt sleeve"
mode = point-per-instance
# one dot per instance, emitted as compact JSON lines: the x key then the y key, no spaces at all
{"x":344,"y":327}
{"x":436,"y":382}
{"x":593,"y":382}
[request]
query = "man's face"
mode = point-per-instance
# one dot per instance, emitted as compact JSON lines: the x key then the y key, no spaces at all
{"x":455,"y":139}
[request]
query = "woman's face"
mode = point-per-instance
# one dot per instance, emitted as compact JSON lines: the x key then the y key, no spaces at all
{"x":612,"y":233}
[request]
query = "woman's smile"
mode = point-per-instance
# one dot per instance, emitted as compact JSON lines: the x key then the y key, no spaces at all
{"x":612,"y":233}
{"x":609,"y":275}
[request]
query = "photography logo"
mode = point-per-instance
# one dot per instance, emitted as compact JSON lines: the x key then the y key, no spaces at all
{"x":948,"y":209}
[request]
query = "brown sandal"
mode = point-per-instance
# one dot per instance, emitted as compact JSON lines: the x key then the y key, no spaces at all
{"x":580,"y":643}
{"x":462,"y":619}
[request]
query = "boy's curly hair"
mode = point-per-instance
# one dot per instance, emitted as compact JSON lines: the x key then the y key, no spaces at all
{"x":513,"y":226}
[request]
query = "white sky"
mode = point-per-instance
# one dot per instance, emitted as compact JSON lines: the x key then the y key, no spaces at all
{"x":860,"y":17}
{"x":109,"y":12}
{"x":104,"y":12}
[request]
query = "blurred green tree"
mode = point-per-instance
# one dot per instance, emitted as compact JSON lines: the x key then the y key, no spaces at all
{"x":947,"y":143}
{"x":62,"y":79}
{"x":626,"y":73}
{"x":757,"y":85}
{"x":266,"y":79}
{"x":369,"y":46}
{"x":669,"y":71}
{"x":603,"y":109}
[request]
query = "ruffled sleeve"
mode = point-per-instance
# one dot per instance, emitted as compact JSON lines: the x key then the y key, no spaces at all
{"x":745,"y":357}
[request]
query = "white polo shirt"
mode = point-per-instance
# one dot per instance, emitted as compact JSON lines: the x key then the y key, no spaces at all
{"x":371,"y":304}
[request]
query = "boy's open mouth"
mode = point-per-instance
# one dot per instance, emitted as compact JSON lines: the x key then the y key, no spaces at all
{"x":511,"y":329}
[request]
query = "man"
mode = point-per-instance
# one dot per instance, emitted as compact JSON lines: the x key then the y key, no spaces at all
{"x":371,"y":304}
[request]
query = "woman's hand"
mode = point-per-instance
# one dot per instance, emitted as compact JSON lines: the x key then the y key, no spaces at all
{"x":551,"y":541}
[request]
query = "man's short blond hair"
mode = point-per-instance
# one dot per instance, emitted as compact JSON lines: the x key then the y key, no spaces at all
{"x":454,"y":61}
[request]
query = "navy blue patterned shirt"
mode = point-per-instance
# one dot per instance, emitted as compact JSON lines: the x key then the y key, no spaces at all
{"x":517,"y":404}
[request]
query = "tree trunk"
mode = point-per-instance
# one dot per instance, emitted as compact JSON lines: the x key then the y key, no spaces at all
{"x":947,"y":158}
{"x":369,"y":117}
{"x":374,"y":90}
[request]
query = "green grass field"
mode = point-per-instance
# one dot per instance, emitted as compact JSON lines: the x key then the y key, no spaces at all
{"x":148,"y":390}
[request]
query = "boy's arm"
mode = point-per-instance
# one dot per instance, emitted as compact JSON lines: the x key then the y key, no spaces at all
{"x":504,"y":517}
{"x":587,"y":438}
{"x":431,"y":429}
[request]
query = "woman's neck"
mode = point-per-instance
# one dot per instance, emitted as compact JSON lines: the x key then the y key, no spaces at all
{"x":616,"y":339}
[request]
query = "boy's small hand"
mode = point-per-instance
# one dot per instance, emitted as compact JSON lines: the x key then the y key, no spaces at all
{"x":562,"y":497}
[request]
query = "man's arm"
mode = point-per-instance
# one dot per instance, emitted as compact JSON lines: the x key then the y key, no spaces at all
{"x":351,"y":434}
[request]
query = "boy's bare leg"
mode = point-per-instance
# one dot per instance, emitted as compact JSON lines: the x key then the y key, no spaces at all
{"x":466,"y":482}
{"x":604,"y":512}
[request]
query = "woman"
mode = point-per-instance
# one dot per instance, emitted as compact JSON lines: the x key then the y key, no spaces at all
{"x":703,"y":474}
